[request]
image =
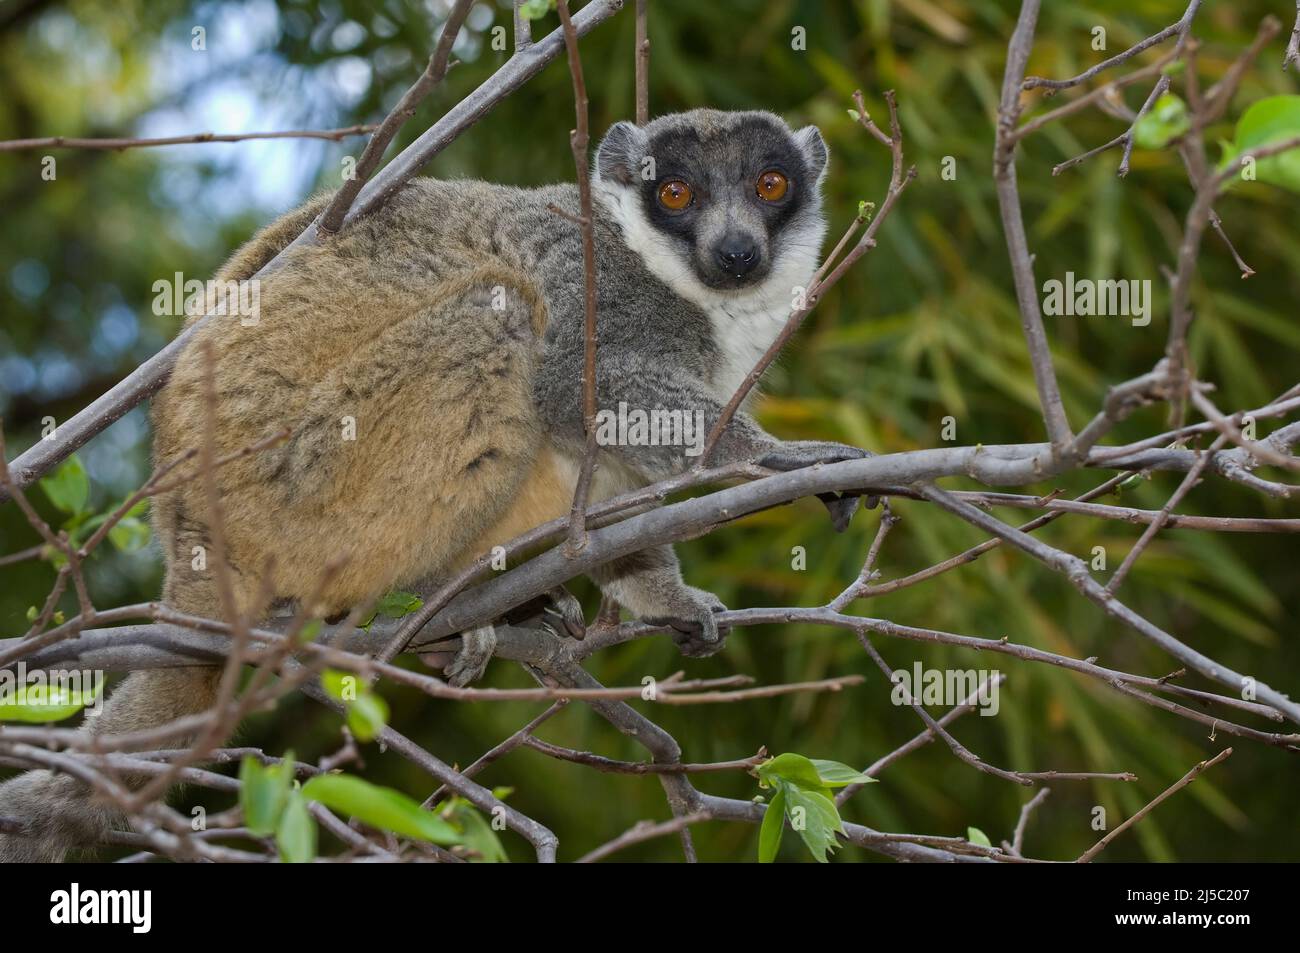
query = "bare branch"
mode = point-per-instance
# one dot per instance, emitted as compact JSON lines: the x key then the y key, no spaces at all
{"x":1178,"y":28}
{"x":119,"y":144}
{"x":331,"y":220}
{"x":1177,"y":786}
{"x":1018,"y":838}
{"x":968,"y":756}
{"x":578,"y":140}
{"x":641,"y":832}
{"x":1293,"y":47}
{"x":1013,"y":223}
{"x":1193,"y":477}
{"x":523,"y":27}
{"x":1077,"y":572}
{"x":642,"y":63}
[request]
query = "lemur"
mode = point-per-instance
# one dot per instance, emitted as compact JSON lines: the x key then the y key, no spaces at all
{"x":446,"y":330}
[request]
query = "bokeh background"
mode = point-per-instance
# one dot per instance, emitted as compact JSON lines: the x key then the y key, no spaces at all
{"x":925,"y":327}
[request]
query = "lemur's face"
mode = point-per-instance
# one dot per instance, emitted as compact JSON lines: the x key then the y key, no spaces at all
{"x":731,"y":197}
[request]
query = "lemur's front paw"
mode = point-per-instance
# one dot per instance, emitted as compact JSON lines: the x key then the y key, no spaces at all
{"x":476,"y":648}
{"x":691,"y":615}
{"x":565,"y":614}
{"x":796,"y":454}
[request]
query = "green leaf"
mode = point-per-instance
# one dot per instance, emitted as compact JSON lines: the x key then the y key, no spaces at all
{"x":367,"y":713}
{"x":837,"y":775}
{"x":296,"y":836}
{"x":476,"y":833}
{"x":769,"y":835}
{"x":977,"y":836}
{"x":264,"y":792}
{"x":379,"y":807}
{"x":68,"y":487}
{"x":340,"y":686}
{"x":815,"y":819}
{"x":536,"y":9}
{"x":129,"y":535}
{"x":1166,"y":121}
{"x":1269,"y":121}
{"x":41,"y":703}
{"x":139,"y":509}
{"x":790,"y":767}
{"x":396,"y":604}
{"x":367,"y":716}
{"x":1132,"y":481}
{"x":393,"y":605}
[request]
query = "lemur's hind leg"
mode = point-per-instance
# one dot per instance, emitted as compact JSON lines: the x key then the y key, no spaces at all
{"x":649,"y":584}
{"x":469,"y":664}
{"x":406,"y":452}
{"x":441,"y":400}
{"x":564,"y":616}
{"x":59,"y":813}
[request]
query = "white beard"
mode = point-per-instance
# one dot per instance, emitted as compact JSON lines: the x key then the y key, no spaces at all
{"x":746,"y":320}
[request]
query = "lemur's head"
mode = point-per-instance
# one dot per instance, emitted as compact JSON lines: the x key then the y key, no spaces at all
{"x":717,"y":203}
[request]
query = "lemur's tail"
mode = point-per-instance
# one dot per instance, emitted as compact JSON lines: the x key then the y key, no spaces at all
{"x":56,"y":812}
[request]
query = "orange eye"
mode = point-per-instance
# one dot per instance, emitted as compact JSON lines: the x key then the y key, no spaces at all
{"x":675,"y":195}
{"x":771,"y":186}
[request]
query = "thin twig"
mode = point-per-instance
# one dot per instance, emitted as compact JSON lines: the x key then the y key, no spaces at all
{"x":331,"y":220}
{"x":118,"y":144}
{"x":1293,"y":47}
{"x":578,"y":140}
{"x":1013,"y":224}
{"x":1174,"y":788}
{"x":1018,"y":838}
{"x":641,"y":832}
{"x":642,"y":63}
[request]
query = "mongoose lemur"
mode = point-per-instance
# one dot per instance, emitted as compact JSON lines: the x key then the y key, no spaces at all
{"x":427,"y":362}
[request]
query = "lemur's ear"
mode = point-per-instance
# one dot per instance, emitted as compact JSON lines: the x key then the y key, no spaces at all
{"x":814,"y":149}
{"x":620,"y":152}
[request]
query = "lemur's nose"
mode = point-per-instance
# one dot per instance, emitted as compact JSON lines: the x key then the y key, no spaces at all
{"x":738,"y":256}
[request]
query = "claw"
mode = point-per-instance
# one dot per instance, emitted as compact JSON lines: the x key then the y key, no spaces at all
{"x":695,"y":631}
{"x":567,"y":610}
{"x":476,"y":647}
{"x":841,"y":507}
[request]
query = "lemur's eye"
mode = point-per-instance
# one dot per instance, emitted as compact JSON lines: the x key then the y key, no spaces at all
{"x":771,"y":186}
{"x":675,"y":195}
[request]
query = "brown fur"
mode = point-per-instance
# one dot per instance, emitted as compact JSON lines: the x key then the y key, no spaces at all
{"x":448,"y":458}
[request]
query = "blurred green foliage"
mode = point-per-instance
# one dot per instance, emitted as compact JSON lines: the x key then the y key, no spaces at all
{"x":925,"y":327}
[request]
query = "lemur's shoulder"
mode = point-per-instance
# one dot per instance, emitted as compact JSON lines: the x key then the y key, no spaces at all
{"x":270,"y":240}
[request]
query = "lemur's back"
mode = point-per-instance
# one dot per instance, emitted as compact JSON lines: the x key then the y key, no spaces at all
{"x":396,"y":458}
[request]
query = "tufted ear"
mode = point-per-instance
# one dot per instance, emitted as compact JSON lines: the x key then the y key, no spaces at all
{"x":810,"y":140}
{"x":620,"y":152}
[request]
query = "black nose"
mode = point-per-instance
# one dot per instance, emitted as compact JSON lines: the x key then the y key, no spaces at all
{"x":738,"y":257}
